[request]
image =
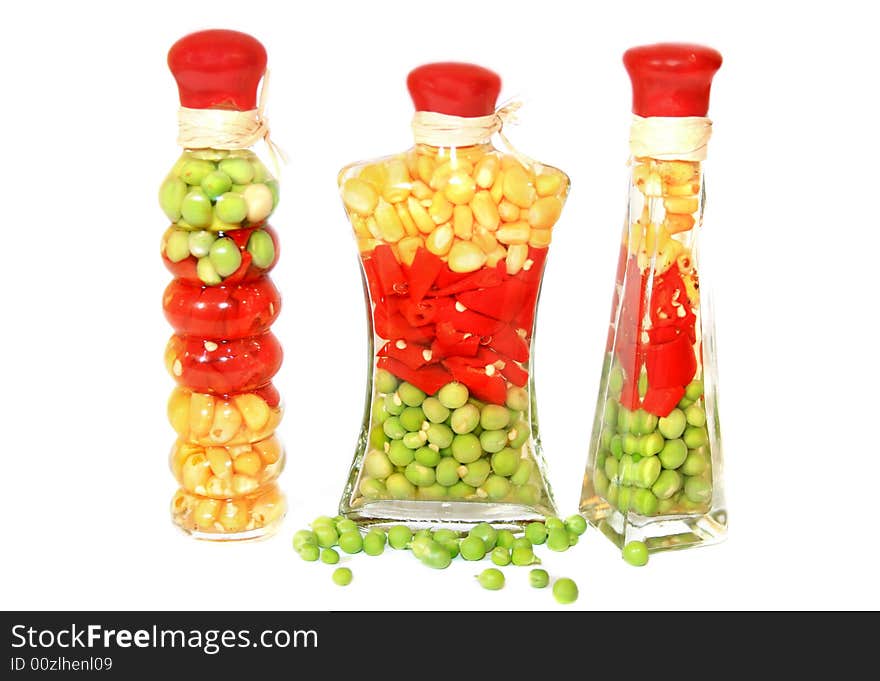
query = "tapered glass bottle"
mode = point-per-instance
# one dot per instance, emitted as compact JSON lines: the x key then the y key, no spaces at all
{"x":654,"y":471}
{"x":453,"y":237}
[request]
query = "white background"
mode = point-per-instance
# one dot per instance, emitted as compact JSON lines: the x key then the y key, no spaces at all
{"x":89,"y":126}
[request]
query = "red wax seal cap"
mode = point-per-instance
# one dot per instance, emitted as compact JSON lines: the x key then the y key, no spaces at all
{"x":454,"y":89}
{"x":218,"y":69}
{"x":671,"y":79}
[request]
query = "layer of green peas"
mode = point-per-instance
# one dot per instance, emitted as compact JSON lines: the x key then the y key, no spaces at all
{"x":210,"y":192}
{"x":654,"y":466}
{"x":448,"y":446}
{"x":438,"y":548}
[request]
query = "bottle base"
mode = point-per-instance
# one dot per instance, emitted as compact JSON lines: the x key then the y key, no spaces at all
{"x":458,"y":514}
{"x":239,"y":519}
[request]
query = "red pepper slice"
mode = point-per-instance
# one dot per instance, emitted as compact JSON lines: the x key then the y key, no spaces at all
{"x":482,"y":278}
{"x":452,"y":343}
{"x":661,"y":401}
{"x":538,"y":256}
{"x":482,"y":386}
{"x":501,"y":302}
{"x":393,"y":326}
{"x":514,"y":373}
{"x":467,"y":321}
{"x":372,"y":278}
{"x":391,"y":277}
{"x":418,"y":313}
{"x":671,"y":364}
{"x":421,"y":274}
{"x":410,"y":354}
{"x":629,"y":394}
{"x":240,"y":236}
{"x":508,"y":342}
{"x":429,"y":378}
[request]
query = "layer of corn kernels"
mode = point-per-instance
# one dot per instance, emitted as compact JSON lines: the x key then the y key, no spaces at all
{"x":231,"y":516}
{"x":210,"y":420}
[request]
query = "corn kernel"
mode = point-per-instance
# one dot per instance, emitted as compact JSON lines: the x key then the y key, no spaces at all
{"x":681,"y":204}
{"x":206,"y":512}
{"x":397,"y":184}
{"x":540,"y":238}
{"x":375,"y":174}
{"x":407,"y":247}
{"x":485,"y":239}
{"x":421,"y":191}
{"x":195,"y":472}
{"x":409,"y":226}
{"x":465,"y":256}
{"x":201,"y":413}
{"x":373,"y":228}
{"x":360,"y":196}
{"x":220,"y":461}
{"x":227,"y":421}
{"x":545,"y":212}
{"x":425,"y":166}
{"x":253,"y":409}
{"x":268,"y":508}
{"x":486,"y":172}
{"x":420,"y":216}
{"x":219,"y":488}
{"x":440,"y":240}
{"x":548,"y":184}
{"x":496,"y":256}
{"x":234,"y":516}
{"x":676,"y":172}
{"x":390,"y":226}
{"x":686,"y":189}
{"x":516,"y":257}
{"x":248,"y":464}
{"x":367,"y":245}
{"x":178,"y":410}
{"x":461,"y":188}
{"x":463,"y":222}
{"x":497,"y":190}
{"x":508,"y":211}
{"x":485,"y":210}
{"x":517,"y":186}
{"x":676,"y":223}
{"x":269,"y":450}
{"x":360,"y":227}
{"x":243,"y":484}
{"x":513,"y":233}
{"x":441,"y":209}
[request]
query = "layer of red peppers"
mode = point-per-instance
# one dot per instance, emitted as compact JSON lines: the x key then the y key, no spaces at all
{"x":444,"y":326}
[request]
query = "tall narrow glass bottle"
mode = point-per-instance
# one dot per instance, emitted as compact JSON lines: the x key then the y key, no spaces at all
{"x":655,"y":464}
{"x":221,"y":303}
{"x":453,"y":235}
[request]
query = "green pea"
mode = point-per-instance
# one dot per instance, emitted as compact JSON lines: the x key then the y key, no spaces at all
{"x":695,"y":437}
{"x":434,"y":555}
{"x":342,"y":576}
{"x":216,"y":183}
{"x":309,"y":553}
{"x":557,"y":539}
{"x":196,"y":209}
{"x":538,"y":578}
{"x":377,"y":464}
{"x":479,"y":404}
{"x":636,"y":553}
{"x":494,"y":417}
{"x":410,"y":395}
{"x":399,"y":487}
{"x":528,"y":495}
{"x":323,"y":521}
{"x":696,"y":415}
{"x":644,"y":502}
{"x":329,"y":556}
{"x":446,"y":472}
{"x":698,"y":490}
{"x":553,"y":523}
{"x":440,"y":434}
{"x":572,"y":538}
{"x":304,"y":537}
{"x":446,"y":452}
{"x":695,"y":463}
{"x":520,"y":434}
{"x":465,"y":419}
{"x":694,"y":390}
{"x":472,"y":548}
{"x":177,"y":245}
{"x":630,"y":444}
{"x":517,"y":398}
{"x":385,"y":381}
{"x":171,"y":195}
{"x":576,"y":524}
{"x":673,"y":424}
{"x":399,"y":454}
{"x":500,"y":556}
{"x":378,"y":437}
{"x":665,"y":506}
{"x":351,"y":541}
{"x":651,"y":444}
{"x":374,"y":543}
{"x":505,"y":539}
{"x":624,"y":499}
{"x":453,"y":395}
{"x":600,"y":483}
{"x":394,"y":405}
{"x":432,"y":492}
{"x":393,"y":428}
{"x":196,"y":170}
{"x":420,"y":475}
{"x":276,"y":194}
{"x":643,"y":422}
{"x":624,"y":420}
{"x":609,"y":414}
{"x":345,"y":525}
{"x":444,"y":535}
{"x":647,"y":471}
{"x":434,"y":411}
{"x":487,"y":533}
{"x":239,"y":170}
{"x":685,"y":403}
{"x":466,"y":448}
{"x":612,"y":494}
{"x":565,"y":591}
{"x":522,"y":555}
{"x":521,"y":543}
{"x":627,"y":470}
{"x":496,"y":487}
{"x":231,"y":208}
{"x":616,"y":446}
{"x":523,"y":472}
{"x":399,"y":536}
{"x":601,"y":457}
{"x":327,"y":536}
{"x":372,"y":489}
{"x":378,"y":412}
{"x":667,"y":484}
{"x":673,"y":454}
{"x":607,"y":436}
{"x":412,"y":419}
{"x":536,"y":533}
{"x":199,"y":243}
{"x":415,"y":440}
{"x":461,"y":490}
{"x":262,"y":248}
{"x":491,"y":579}
{"x":494,"y":441}
{"x":505,"y":462}
{"x":428,"y":457}
{"x":225,"y":256}
{"x":206,"y":272}
{"x":477,"y":472}
{"x":636,"y":458}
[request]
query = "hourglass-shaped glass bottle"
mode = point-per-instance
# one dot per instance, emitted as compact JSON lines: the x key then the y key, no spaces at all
{"x":654,"y":467}
{"x":453,"y":237}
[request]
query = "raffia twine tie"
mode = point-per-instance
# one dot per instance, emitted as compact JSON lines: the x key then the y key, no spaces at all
{"x":443,"y":130}
{"x":683,"y":138}
{"x":223,"y":129}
